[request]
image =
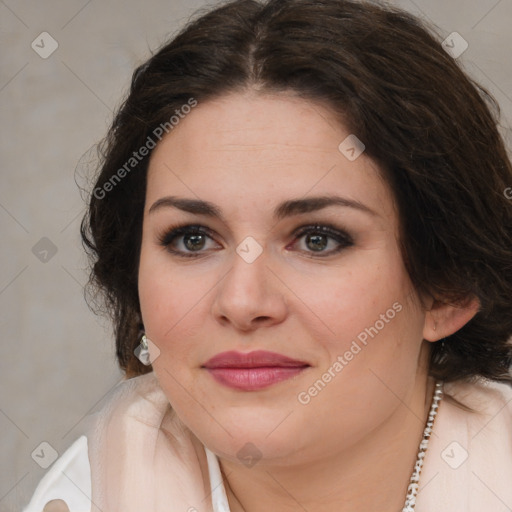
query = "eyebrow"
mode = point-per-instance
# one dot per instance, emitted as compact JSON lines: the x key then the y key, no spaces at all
{"x":285,"y":209}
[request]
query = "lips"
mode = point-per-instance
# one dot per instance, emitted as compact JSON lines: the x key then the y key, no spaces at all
{"x":254,"y":370}
{"x":256,"y":359}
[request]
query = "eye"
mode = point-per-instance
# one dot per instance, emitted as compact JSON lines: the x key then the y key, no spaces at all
{"x":195,"y":240}
{"x":322,"y":240}
{"x":188,"y":240}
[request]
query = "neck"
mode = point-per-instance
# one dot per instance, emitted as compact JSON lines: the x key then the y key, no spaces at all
{"x":373,"y":475}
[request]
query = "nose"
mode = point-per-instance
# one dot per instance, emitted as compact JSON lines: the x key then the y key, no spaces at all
{"x":250,"y":296}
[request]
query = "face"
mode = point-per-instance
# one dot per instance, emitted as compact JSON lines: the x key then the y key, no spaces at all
{"x":260,"y":234}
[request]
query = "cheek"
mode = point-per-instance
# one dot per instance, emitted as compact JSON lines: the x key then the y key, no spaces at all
{"x":351,"y":297}
{"x":162,"y":294}
{"x":370,"y":313}
{"x":168,"y":303}
{"x":370,"y":369}
{"x":174,"y":305}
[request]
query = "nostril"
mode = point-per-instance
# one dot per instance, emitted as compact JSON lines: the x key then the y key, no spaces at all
{"x":262,"y":319}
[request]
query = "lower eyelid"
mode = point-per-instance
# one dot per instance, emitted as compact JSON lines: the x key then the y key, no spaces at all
{"x":340,"y":247}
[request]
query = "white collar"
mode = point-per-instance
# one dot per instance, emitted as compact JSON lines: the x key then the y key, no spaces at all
{"x":219,"y":498}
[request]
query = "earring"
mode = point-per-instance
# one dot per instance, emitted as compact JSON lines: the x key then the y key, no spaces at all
{"x":142,"y":351}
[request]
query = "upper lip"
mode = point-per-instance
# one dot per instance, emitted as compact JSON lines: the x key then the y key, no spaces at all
{"x":255,"y":359}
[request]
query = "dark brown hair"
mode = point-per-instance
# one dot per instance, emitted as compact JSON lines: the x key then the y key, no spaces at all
{"x":430,"y":128}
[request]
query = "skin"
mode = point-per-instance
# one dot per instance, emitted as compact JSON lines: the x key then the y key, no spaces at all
{"x":353,"y":446}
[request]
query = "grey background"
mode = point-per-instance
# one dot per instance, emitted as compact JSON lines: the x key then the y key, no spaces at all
{"x":58,"y":358}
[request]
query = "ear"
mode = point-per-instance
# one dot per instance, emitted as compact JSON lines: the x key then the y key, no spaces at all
{"x":444,"y":319}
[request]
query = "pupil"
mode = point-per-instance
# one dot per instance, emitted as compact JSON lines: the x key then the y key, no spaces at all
{"x":318,"y":242}
{"x":194,"y":241}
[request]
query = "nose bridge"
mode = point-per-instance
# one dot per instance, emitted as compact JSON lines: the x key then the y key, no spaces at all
{"x":248,"y":271}
{"x":249,"y":294}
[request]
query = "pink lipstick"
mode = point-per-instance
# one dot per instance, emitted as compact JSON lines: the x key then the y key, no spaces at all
{"x":254,"y":370}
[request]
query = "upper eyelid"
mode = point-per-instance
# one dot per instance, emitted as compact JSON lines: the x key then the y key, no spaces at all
{"x":325,"y":228}
{"x":320,"y":226}
{"x":181,"y":230}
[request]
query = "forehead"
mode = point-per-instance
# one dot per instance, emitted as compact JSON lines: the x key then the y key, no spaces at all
{"x":266,"y":147}
{"x":257,"y":122}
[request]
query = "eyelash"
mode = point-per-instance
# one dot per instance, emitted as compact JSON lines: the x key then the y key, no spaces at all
{"x":341,"y":237}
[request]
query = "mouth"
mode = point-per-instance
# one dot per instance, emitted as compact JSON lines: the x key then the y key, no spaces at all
{"x":254,"y":370}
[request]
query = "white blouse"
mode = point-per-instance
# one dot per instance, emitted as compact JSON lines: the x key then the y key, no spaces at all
{"x":69,"y":479}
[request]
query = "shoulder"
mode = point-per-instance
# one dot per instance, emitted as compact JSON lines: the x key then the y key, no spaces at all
{"x":478,"y":415}
{"x":130,"y":396}
{"x":475,"y":391}
{"x":489,"y":404}
{"x":69,"y":479}
{"x":468,"y":464}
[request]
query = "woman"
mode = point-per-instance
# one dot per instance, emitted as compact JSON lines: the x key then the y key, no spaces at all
{"x":302,"y":233}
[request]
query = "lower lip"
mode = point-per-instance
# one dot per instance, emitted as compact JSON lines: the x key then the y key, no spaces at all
{"x":253,"y":379}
